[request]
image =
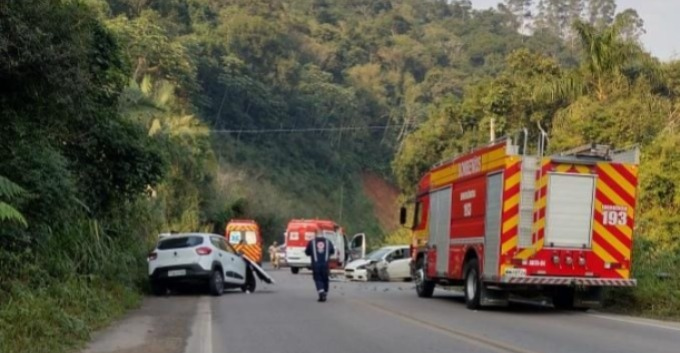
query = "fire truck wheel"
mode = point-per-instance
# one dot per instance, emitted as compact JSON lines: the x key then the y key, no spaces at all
{"x":563,"y":298}
{"x":424,"y":287}
{"x":473,"y":286}
{"x":294,"y":270}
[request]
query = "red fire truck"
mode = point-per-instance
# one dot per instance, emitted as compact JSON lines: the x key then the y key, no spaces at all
{"x":501,"y":222}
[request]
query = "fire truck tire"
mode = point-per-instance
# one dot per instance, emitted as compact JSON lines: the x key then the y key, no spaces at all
{"x":563,"y":299}
{"x":294,"y":270}
{"x":424,"y":287}
{"x":473,"y":286}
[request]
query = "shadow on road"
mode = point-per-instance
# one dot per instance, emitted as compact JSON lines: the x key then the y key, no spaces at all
{"x":516,"y":306}
{"x":190,"y":292}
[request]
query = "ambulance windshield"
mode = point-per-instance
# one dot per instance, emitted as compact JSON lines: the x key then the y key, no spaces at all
{"x":235,"y":237}
{"x":251,"y":237}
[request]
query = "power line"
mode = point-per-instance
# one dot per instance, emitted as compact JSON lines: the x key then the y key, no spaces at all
{"x":310,"y":129}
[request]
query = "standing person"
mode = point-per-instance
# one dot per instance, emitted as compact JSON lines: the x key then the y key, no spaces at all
{"x":320,"y":249}
{"x":273,"y":256}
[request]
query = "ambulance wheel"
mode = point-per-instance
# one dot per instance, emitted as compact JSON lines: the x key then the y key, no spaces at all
{"x":473,"y":286}
{"x":424,"y":287}
{"x":294,"y":270}
{"x":251,"y":283}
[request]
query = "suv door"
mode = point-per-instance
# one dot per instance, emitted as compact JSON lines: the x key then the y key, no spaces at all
{"x":236,"y":264}
{"x":223,"y":257}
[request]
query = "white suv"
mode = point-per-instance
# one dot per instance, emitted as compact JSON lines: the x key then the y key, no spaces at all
{"x":198,"y":258}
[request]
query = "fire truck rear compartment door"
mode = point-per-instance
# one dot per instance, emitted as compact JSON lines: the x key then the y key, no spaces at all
{"x":569,"y":210}
{"x":492,"y":224}
{"x":440,"y":226}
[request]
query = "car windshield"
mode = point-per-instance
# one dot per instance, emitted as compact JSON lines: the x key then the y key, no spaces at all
{"x":377,"y":254}
{"x":180,"y":242}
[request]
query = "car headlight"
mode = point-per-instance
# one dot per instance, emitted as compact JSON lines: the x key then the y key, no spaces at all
{"x":362,"y":267}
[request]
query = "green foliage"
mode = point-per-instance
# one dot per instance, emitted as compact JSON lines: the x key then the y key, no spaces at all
{"x":74,"y":257}
{"x":184,"y":144}
{"x":401,"y":236}
{"x":658,"y":291}
{"x":62,"y":136}
{"x":63,"y":289}
{"x":342,"y":66}
{"x":246,"y":188}
{"x":8,"y":192}
{"x":512,"y":99}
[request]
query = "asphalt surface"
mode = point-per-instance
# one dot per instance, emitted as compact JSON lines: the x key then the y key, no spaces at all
{"x":368,"y":317}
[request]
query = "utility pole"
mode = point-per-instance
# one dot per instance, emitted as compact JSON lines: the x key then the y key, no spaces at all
{"x":492,"y":130}
{"x":342,"y":192}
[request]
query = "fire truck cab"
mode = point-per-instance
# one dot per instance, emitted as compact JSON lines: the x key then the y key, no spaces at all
{"x":500,"y":222}
{"x":300,"y":231}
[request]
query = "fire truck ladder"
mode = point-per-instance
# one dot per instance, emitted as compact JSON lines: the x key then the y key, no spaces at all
{"x":593,"y":153}
{"x":527,"y":195}
{"x":586,"y":153}
{"x":530,"y":173}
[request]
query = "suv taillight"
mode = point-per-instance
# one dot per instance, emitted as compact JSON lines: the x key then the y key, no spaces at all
{"x":203,"y":251}
{"x":153,"y":256}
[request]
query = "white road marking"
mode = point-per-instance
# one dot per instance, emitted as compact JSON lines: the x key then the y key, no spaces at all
{"x":636,"y":322}
{"x":200,"y":340}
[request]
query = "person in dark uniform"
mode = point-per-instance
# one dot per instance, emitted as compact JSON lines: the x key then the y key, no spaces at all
{"x":320,"y":250}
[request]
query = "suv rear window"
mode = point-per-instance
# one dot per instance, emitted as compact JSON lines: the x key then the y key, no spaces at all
{"x":180,"y":242}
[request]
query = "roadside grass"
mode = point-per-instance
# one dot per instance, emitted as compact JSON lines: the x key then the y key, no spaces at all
{"x":657,"y":294}
{"x":61,"y":315}
{"x":55,"y":294}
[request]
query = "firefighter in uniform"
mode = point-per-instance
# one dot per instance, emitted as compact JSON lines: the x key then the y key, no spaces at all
{"x":273,"y":256}
{"x":320,"y":249}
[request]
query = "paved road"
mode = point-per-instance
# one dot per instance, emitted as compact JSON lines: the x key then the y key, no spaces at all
{"x":368,"y":317}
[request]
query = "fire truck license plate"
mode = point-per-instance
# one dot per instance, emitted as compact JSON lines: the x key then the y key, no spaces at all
{"x":515,"y":272}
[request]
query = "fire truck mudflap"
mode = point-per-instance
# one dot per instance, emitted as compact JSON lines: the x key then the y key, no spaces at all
{"x":497,"y":221}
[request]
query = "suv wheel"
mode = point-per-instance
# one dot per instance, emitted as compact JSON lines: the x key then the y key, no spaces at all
{"x":216,"y":283}
{"x":158,"y":289}
{"x":294,"y":270}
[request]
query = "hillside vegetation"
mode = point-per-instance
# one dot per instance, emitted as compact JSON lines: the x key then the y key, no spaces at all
{"x":124,"y":118}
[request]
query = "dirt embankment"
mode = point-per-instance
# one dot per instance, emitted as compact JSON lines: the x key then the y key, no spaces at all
{"x":384,"y":197}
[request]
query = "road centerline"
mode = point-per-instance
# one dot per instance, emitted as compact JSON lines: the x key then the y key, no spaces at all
{"x":453,"y":333}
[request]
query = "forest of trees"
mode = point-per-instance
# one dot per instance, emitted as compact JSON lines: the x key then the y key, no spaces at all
{"x":124,"y":118}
